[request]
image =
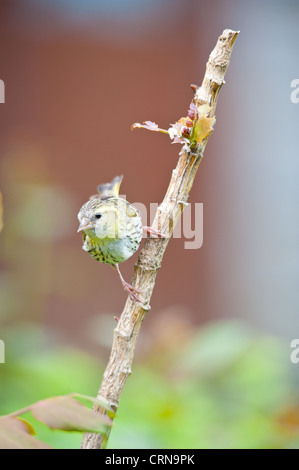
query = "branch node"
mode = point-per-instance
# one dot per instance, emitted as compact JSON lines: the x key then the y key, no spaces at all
{"x":145,"y":307}
{"x":173,"y":199}
{"x":126,"y":371}
{"x":109,"y":403}
{"x":126,"y":336}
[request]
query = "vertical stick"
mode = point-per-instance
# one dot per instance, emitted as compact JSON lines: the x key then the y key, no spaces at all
{"x":150,"y":258}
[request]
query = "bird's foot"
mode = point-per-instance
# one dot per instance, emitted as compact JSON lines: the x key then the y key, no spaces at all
{"x":132,"y":291}
{"x":156,"y":233}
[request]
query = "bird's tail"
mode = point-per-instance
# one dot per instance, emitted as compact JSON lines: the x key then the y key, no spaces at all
{"x":110,"y":189}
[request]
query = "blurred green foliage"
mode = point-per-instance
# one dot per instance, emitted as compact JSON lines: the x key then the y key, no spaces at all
{"x":223,"y":386}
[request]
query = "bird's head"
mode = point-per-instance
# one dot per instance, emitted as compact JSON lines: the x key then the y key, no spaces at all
{"x":102,"y":219}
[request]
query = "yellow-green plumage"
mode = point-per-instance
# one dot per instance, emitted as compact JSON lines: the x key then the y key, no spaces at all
{"x":112,"y":228}
{"x":116,"y":235}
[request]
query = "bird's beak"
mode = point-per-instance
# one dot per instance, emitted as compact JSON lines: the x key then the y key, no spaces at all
{"x":85,"y":224}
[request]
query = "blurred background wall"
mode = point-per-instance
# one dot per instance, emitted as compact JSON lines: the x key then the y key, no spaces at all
{"x":77,"y":75}
{"x":212,"y":367}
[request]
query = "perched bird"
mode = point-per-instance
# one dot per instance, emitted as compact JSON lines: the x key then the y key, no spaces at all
{"x":112,"y":229}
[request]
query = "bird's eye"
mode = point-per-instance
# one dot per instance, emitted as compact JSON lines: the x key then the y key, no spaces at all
{"x":98,"y":215}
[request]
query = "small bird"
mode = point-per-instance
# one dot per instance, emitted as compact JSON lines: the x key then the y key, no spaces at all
{"x":112,"y":229}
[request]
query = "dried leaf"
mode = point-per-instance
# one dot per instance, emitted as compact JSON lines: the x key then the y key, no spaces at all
{"x":149,"y":125}
{"x":179,"y":131}
{"x":16,"y":433}
{"x":179,"y":140}
{"x":68,"y":414}
{"x":192,"y":129}
{"x":1,"y":212}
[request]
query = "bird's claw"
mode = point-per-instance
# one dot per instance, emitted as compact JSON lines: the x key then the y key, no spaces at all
{"x":132,"y":291}
{"x":156,"y":233}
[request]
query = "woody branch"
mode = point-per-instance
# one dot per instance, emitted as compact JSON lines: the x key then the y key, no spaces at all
{"x":149,"y":261}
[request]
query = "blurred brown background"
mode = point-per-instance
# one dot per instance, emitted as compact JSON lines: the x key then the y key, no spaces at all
{"x":77,"y":75}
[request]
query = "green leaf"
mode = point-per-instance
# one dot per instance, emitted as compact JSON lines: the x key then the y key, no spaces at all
{"x":16,"y":433}
{"x":67,"y":414}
